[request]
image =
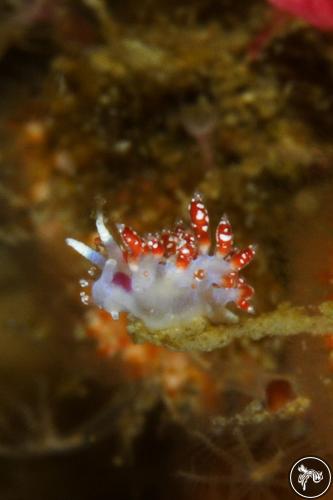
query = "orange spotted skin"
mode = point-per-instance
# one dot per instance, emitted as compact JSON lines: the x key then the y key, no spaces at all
{"x":242,"y":258}
{"x":132,"y":241}
{"x":169,"y":242}
{"x":154,"y":246}
{"x":200,"y":222}
{"x":224,"y":237}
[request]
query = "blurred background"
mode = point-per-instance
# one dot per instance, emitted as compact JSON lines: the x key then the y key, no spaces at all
{"x":129,"y":107}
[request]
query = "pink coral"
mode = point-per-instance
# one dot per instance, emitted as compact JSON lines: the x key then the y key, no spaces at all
{"x":319,"y":13}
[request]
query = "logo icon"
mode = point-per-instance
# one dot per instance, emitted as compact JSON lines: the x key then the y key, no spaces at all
{"x":310,"y":477}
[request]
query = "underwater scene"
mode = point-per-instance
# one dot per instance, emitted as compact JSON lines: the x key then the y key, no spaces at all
{"x":166,"y":249}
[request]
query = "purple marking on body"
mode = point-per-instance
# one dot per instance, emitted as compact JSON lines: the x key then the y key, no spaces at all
{"x":122,"y":280}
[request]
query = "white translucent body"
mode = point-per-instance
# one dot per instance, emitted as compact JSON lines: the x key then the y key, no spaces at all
{"x":163,"y":295}
{"x":159,"y":293}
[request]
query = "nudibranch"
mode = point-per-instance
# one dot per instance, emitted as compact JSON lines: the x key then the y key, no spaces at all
{"x":170,"y":278}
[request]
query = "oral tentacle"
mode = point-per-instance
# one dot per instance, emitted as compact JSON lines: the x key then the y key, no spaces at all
{"x":88,"y":253}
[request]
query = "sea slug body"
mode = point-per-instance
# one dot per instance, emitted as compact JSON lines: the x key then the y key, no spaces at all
{"x":170,"y":278}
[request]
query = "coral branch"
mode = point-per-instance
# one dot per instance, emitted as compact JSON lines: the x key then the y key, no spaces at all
{"x":256,"y":413}
{"x":201,"y":335}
